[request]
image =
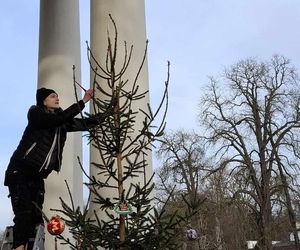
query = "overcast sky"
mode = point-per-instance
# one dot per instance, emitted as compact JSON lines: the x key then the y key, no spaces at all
{"x":198,"y":37}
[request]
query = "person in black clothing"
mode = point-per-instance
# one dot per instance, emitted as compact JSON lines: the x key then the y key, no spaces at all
{"x":37,"y":155}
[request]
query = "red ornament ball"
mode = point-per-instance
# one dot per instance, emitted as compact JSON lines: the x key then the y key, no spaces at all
{"x":56,"y":225}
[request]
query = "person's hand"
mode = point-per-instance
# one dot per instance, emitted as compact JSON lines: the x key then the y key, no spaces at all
{"x":88,"y":95}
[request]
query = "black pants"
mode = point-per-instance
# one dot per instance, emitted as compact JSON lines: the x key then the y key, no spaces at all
{"x":27,"y":215}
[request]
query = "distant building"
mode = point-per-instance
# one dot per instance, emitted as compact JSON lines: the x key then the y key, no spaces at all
{"x":285,"y":246}
{"x":279,"y":245}
{"x":251,"y":244}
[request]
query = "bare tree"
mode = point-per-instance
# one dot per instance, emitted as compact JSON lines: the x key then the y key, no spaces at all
{"x":185,"y":166}
{"x":222,"y":223}
{"x":183,"y":157}
{"x":252,"y":119}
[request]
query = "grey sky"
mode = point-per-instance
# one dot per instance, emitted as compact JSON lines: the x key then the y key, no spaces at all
{"x":198,"y":37}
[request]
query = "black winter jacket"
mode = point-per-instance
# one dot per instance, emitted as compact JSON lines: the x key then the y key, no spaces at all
{"x":40,"y":149}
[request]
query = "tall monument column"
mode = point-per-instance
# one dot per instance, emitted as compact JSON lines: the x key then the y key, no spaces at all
{"x":59,"y":50}
{"x":129,"y":16}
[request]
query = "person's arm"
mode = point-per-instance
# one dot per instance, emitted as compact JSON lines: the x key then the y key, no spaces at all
{"x":78,"y":124}
{"x":84,"y":124}
{"x":41,"y":119}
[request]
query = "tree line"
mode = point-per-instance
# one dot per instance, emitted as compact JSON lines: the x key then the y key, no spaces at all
{"x":244,"y":165}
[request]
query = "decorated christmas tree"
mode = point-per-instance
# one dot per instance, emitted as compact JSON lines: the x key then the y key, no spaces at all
{"x":131,"y":220}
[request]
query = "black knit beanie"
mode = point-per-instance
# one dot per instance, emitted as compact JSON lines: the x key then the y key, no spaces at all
{"x":42,"y":94}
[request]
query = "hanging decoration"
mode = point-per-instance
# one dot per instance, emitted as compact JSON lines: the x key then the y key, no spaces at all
{"x":191,"y":234}
{"x":123,"y":208}
{"x":55,"y":225}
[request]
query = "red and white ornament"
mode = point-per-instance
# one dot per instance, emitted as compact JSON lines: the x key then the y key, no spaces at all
{"x":56,"y":225}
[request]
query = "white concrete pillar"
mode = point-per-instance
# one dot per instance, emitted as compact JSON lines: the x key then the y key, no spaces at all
{"x":59,"y":50}
{"x":129,"y":16}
